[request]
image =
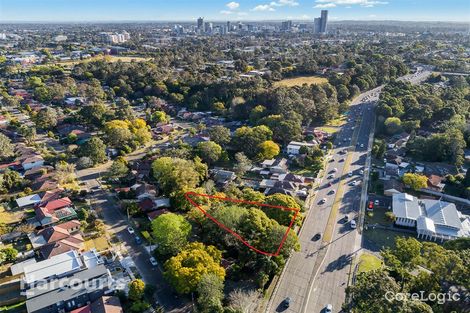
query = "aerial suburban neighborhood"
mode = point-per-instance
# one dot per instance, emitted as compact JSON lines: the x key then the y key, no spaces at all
{"x":232,"y":164}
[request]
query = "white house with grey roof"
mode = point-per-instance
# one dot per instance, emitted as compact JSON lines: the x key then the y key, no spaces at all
{"x":433,"y":219}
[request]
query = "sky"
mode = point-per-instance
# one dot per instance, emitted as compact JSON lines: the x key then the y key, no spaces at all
{"x":220,"y":10}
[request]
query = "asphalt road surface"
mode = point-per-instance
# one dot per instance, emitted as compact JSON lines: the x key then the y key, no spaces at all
{"x":116,"y":222}
{"x":318,"y":274}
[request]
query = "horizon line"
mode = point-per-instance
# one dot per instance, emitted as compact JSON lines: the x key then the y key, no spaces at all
{"x":221,"y":21}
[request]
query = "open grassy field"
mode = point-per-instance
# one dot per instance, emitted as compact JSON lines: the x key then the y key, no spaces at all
{"x":368,"y":262}
{"x":107,"y":58}
{"x":299,"y":81}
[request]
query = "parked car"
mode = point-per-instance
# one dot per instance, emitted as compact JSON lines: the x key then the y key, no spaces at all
{"x":286,"y":302}
{"x":316,"y":237}
{"x":329,"y":308}
{"x":130,"y":230}
{"x":138,"y":240}
{"x":376,"y":202}
{"x":353,"y":224}
{"x":350,"y":174}
{"x":346,"y":218}
{"x":153,"y":261}
{"x":322,"y":200}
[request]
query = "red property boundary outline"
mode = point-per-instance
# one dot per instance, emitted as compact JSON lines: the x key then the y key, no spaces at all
{"x":221,"y":225}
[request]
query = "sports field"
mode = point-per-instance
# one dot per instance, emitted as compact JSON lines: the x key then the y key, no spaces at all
{"x":299,"y":81}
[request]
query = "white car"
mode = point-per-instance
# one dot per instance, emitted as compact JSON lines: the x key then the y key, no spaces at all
{"x":376,"y":202}
{"x":130,"y":230}
{"x":361,"y":172}
{"x":328,"y":308}
{"x":350,"y":174}
{"x":153,"y":261}
{"x":362,"y":145}
{"x":353,"y":224}
{"x":335,"y":170}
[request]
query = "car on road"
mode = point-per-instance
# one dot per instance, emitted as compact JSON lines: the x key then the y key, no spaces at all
{"x":331,"y":192}
{"x":329,"y":308}
{"x":153,"y":261}
{"x":286,"y":302}
{"x":335,"y":170}
{"x":322,"y":200}
{"x":350,"y":174}
{"x":331,"y":176}
{"x":130,"y":230}
{"x":353,"y":224}
{"x":138,"y":240}
{"x":341,"y":160}
{"x":316,"y":237}
{"x":371,"y":205}
{"x":376,"y":202}
{"x":361,"y":172}
{"x":331,"y":160}
{"x":362,"y":145}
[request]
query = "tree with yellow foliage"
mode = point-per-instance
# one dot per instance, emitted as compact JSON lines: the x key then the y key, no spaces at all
{"x":185,"y":270}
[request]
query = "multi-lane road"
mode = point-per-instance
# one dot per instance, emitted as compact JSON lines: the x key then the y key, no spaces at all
{"x":318,"y":274}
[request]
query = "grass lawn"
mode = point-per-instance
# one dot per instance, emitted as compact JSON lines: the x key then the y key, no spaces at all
{"x":382,"y":238}
{"x":299,"y":81}
{"x":100,"y":244}
{"x":108,"y":58}
{"x":304,"y":172}
{"x":378,"y":217}
{"x":9,"y":217}
{"x":368,"y":262}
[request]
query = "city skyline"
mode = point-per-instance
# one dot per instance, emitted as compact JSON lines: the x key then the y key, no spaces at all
{"x":146,"y":10}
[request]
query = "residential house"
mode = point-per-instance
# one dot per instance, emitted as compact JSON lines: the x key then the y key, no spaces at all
{"x":432,"y":219}
{"x":32,"y":162}
{"x":223,"y":177}
{"x":66,"y":282}
{"x":105,"y":304}
{"x":55,"y":240}
{"x":144,"y":190}
{"x":45,"y":182}
{"x":54,"y":211}
{"x":293,"y":148}
{"x":278,"y":165}
{"x":28,"y":201}
{"x":435,"y":182}
{"x":36,"y":172}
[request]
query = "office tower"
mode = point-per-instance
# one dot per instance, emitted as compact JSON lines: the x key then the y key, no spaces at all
{"x":229,"y":26}
{"x":324,"y":20}
{"x":208,"y":27}
{"x":317,"y":25}
{"x":320,"y":23}
{"x":200,"y":24}
{"x":286,"y":25}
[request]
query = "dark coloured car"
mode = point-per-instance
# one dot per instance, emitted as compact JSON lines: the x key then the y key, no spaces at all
{"x":138,"y":240}
{"x":286,"y":302}
{"x":316,"y":237}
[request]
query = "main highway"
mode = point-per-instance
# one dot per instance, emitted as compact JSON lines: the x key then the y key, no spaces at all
{"x":318,"y":274}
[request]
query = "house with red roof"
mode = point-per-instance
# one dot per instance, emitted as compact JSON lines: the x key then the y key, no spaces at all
{"x":54,"y":211}
{"x":54,"y":240}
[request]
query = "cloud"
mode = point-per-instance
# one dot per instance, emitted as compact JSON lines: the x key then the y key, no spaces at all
{"x":273,"y":4}
{"x":232,"y":5}
{"x":263,"y":7}
{"x":348,"y":3}
{"x":226,"y":12}
{"x":325,"y":5}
